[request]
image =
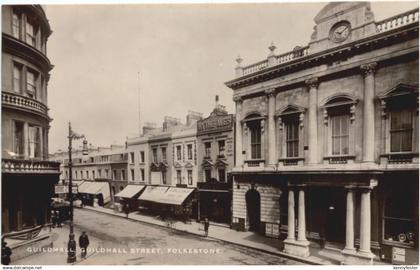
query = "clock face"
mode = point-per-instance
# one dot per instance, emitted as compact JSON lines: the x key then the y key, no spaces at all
{"x":340,"y":32}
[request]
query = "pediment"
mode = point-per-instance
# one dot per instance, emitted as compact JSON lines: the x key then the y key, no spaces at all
{"x":189,"y":165}
{"x":290,"y":109}
{"x":178,"y":165}
{"x":401,"y":89}
{"x":334,"y":9}
{"x":207,"y":164}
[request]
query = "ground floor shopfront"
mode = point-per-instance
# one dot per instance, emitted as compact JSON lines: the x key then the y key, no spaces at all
{"x":26,"y":200}
{"x":364,"y":215}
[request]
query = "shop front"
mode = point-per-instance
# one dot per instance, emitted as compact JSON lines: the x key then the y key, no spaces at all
{"x":128,"y":197}
{"x":215,"y":201}
{"x":94,"y":193}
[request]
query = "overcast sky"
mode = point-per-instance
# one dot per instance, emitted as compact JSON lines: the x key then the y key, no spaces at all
{"x":184,"y":54}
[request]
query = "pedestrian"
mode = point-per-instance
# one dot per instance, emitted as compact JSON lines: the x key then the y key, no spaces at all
{"x":206,"y":226}
{"x":58,"y":218}
{"x":6,"y":252}
{"x":83,"y":243}
{"x":53,"y":219}
{"x":126,"y":210}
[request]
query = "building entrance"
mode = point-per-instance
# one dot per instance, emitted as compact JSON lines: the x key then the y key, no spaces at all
{"x":253,"y":202}
{"x":335,"y":207}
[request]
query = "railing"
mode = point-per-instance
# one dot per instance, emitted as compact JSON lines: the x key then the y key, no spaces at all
{"x":400,"y":158}
{"x":398,"y":21}
{"x":29,"y":166}
{"x":280,"y":59}
{"x":15,"y":100}
{"x":254,"y":162}
{"x":342,"y":159}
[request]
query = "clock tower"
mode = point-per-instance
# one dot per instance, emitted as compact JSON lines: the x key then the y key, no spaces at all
{"x":339,"y":23}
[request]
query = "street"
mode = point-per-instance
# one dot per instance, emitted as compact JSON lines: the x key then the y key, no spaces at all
{"x":115,"y":240}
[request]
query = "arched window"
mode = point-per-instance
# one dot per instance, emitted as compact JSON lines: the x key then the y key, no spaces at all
{"x":339,"y":129}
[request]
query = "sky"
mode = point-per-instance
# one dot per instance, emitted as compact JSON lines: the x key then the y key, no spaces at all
{"x":178,"y":55}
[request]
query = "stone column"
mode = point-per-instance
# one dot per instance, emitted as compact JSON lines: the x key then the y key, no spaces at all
{"x":238,"y":134}
{"x":271,"y":95}
{"x":365,"y":221}
{"x":291,"y":217}
{"x":369,"y":112}
{"x":349,"y":221}
{"x":301,"y":217}
{"x":313,"y":118}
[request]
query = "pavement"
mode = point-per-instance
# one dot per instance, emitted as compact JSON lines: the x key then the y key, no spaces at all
{"x":246,"y":239}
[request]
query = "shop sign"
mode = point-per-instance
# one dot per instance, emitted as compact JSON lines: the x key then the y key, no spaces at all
{"x":64,"y":189}
{"x":215,"y":124}
{"x":398,"y":255}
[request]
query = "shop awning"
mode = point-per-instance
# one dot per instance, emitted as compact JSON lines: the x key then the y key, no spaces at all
{"x":95,"y":188}
{"x":175,"y":195}
{"x":153,"y":193}
{"x":130,"y":191}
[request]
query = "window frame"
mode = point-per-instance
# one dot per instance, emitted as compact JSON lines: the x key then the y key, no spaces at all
{"x":207,"y":149}
{"x":19,"y":68}
{"x":37,"y":142}
{"x":30,"y":38}
{"x":18,"y":16}
{"x":32,"y":93}
{"x":190,"y":151}
{"x":190,"y":177}
{"x":179,"y":177}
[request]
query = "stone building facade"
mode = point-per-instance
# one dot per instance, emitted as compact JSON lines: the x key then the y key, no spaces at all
{"x":28,"y":177}
{"x":327,"y":138}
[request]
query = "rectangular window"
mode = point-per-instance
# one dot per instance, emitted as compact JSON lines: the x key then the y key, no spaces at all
{"x":17,"y":78}
{"x":132,"y":174}
{"x":31,"y":84}
{"x":131,"y":157}
{"x":292,"y":138}
{"x":207,"y":174}
{"x":142,"y":157}
{"x":163,"y":154}
{"x":255,"y":130}
{"x":221,"y":148}
{"x":75,"y":174}
{"x":34,"y":142}
{"x":19,"y":140}
{"x":178,"y":152}
{"x":106,"y":173}
{"x":190,"y":177}
{"x":30,"y":34}
{"x":154,"y":153}
{"x":93,"y":174}
{"x":87,"y":174}
{"x":16,"y":25}
{"x":164,"y":177}
{"x":142,"y":174}
{"x":99,"y":173}
{"x":189,"y":152}
{"x":178,"y":177}
{"x":81,"y":174}
{"x":207,"y":149}
{"x":122,"y":174}
{"x":114,"y":174}
{"x":401,"y":131}
{"x":340,"y":134}
{"x":222,"y":175}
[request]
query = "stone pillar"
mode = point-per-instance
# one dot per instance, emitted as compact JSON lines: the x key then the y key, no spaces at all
{"x":271,"y":94}
{"x":238,"y":134}
{"x":349,"y":248}
{"x":291,"y":217}
{"x":313,"y":118}
{"x":365,"y":221}
{"x":301,"y":217}
{"x":369,"y":112}
{"x":301,"y":246}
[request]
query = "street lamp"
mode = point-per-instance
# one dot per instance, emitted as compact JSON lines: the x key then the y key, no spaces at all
{"x":71,"y":245}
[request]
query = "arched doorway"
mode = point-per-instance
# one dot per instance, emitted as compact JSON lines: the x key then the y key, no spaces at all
{"x":253,"y":202}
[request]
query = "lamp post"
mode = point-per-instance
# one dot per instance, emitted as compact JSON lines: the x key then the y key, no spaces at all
{"x":71,"y":245}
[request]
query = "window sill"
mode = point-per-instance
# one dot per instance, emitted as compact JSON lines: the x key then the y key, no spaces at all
{"x":398,"y":244}
{"x":339,"y":159}
{"x":255,"y":162}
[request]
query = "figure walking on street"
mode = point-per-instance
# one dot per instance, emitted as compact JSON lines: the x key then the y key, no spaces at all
{"x":126,"y":210}
{"x":6,"y":252}
{"x":206,"y":226}
{"x":83,"y":243}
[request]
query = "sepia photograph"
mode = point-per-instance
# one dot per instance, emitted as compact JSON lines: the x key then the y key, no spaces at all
{"x":210,"y":133}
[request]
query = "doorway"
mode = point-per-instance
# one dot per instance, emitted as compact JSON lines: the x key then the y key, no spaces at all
{"x":253,"y":208}
{"x":335,"y":208}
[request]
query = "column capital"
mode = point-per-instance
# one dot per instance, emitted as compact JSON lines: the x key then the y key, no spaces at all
{"x":312,"y":82}
{"x":237,"y":99}
{"x":271,"y":92}
{"x":369,"y":68}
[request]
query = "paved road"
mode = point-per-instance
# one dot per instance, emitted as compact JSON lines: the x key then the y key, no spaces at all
{"x":123,"y":241}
